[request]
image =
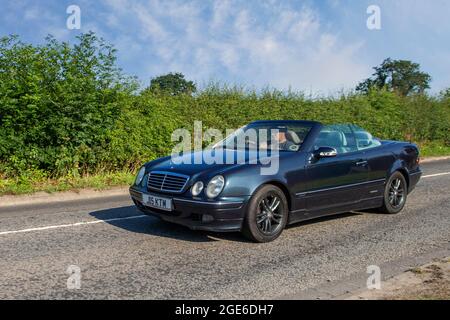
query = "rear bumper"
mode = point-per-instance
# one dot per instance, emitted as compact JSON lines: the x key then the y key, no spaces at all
{"x":414,"y":178}
{"x":217,"y":216}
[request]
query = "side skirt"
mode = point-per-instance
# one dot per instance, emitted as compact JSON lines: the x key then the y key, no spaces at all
{"x":304,"y":215}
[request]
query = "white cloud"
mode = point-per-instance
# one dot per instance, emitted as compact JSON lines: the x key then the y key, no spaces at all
{"x":259,"y":45}
{"x":32,"y":13}
{"x":221,"y":11}
{"x":150,"y":25}
{"x":281,"y":43}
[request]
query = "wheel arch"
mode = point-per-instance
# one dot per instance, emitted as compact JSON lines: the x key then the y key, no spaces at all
{"x":405,"y":174}
{"x":399,"y":166}
{"x":282,"y":187}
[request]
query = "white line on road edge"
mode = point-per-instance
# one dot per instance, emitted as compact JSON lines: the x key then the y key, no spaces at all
{"x":436,"y":175}
{"x":69,"y":225}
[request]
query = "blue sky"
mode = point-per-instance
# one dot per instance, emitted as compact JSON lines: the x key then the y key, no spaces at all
{"x":319,"y":47}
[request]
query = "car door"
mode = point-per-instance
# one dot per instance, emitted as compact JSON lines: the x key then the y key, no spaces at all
{"x":379,"y":161}
{"x":334,"y":183}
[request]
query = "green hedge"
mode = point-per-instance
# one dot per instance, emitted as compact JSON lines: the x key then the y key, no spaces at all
{"x":144,"y":129}
{"x":69,"y":111}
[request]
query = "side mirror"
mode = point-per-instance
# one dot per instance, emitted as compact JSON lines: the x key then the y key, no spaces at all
{"x":325,"y":152}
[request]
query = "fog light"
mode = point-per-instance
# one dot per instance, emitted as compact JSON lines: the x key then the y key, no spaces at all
{"x":207,"y":218}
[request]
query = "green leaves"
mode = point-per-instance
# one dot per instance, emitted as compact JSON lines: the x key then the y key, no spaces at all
{"x":401,"y":76}
{"x":172,"y":84}
{"x":56,"y":98}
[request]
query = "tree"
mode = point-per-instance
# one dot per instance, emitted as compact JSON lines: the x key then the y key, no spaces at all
{"x":171,"y":84}
{"x":401,"y":76}
{"x":445,"y":93}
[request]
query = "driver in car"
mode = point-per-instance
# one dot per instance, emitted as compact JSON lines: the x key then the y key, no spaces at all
{"x":281,"y":136}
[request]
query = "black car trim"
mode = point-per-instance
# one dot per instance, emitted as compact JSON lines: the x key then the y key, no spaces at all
{"x":301,"y":194}
{"x":217,"y":203}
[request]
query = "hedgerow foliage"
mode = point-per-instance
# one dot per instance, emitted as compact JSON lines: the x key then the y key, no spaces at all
{"x":68,"y":111}
{"x":58,"y":104}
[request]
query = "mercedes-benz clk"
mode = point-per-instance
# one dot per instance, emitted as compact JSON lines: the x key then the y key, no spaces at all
{"x":305,"y":170}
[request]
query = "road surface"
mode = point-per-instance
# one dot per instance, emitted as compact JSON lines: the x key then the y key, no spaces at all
{"x":124,"y":255}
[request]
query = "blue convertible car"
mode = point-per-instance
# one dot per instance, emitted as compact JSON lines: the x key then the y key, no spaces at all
{"x":301,"y":170}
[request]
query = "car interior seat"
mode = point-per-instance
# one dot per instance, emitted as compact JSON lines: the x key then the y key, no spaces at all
{"x":293,"y":137}
{"x":365,"y":140}
{"x":334,"y":139}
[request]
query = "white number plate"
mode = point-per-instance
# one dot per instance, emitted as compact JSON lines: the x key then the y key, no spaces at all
{"x":157,"y":202}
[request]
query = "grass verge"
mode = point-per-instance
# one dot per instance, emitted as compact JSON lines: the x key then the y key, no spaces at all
{"x":434,"y":149}
{"x":25,"y":185}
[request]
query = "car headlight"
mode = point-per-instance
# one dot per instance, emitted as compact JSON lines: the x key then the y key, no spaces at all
{"x":197,"y":188}
{"x":140,"y":175}
{"x":215,"y":186}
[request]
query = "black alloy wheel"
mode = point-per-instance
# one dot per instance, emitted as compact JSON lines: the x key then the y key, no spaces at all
{"x":267,"y":214}
{"x":395,"y":194}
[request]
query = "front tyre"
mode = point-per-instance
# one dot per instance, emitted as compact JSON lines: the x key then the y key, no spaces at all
{"x":267,"y":214}
{"x":395,"y":194}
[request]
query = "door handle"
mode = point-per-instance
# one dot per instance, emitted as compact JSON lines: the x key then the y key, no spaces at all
{"x":362,"y":163}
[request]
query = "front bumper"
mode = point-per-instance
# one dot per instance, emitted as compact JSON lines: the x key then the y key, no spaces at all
{"x":218,"y":216}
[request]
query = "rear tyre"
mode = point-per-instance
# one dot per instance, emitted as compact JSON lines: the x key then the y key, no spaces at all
{"x":267,"y":214}
{"x":395,"y":194}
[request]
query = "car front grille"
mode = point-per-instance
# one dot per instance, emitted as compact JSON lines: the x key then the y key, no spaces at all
{"x":167,"y":181}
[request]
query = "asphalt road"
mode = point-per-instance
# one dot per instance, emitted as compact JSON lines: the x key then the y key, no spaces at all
{"x":123,"y":255}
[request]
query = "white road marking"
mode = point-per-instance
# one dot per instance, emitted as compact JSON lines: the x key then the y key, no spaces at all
{"x":126,"y":218}
{"x":436,"y":175}
{"x":69,"y":225}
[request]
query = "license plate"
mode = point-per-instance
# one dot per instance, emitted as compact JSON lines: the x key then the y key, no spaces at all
{"x":157,"y":202}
